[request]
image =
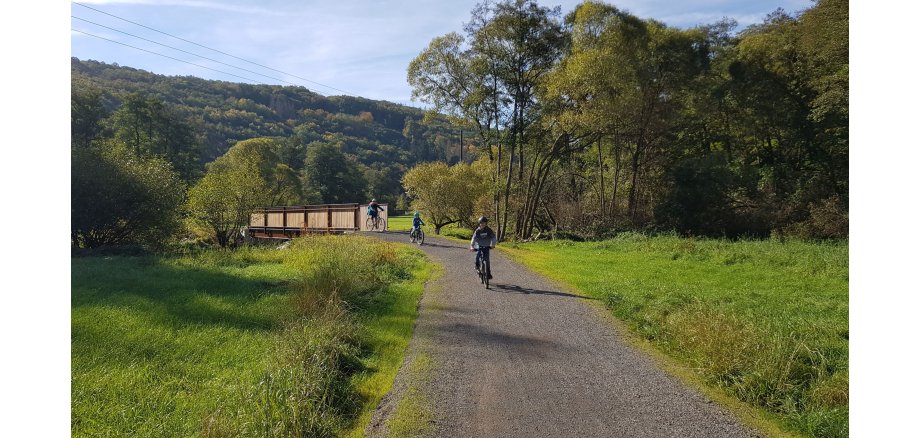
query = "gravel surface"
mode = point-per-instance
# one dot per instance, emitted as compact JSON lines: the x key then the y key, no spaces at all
{"x":527,"y":359}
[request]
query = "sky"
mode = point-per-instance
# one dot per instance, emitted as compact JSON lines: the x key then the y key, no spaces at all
{"x":359,"y":48}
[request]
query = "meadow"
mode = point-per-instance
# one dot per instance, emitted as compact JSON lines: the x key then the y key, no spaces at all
{"x":763,"y":321}
{"x":404,"y":223}
{"x":257,"y":341}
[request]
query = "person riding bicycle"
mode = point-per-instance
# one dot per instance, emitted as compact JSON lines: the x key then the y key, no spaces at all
{"x":483,"y":240}
{"x":373,"y":207}
{"x":417,"y":223}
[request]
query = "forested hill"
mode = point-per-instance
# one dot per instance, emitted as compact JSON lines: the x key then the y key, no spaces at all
{"x":386,"y":138}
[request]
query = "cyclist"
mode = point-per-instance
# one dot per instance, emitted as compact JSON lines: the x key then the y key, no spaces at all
{"x":417,"y":223}
{"x":373,"y":207}
{"x":483,"y":240}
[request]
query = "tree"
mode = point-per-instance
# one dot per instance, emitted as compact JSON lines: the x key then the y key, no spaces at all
{"x":623,"y":81}
{"x":118,"y":197}
{"x":248,"y":176}
{"x":151,"y":128}
{"x":86,"y":114}
{"x":492,"y":84}
{"x":446,"y":194}
{"x":335,"y":177}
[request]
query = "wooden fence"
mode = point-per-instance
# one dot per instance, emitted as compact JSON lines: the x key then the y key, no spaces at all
{"x":293,"y":221}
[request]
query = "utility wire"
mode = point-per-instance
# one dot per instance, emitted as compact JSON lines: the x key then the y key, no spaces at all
{"x":185,"y":51}
{"x":165,"y":56}
{"x":213,"y":49}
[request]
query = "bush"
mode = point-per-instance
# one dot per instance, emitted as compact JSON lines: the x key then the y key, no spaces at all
{"x":119,"y":198}
{"x":827,"y":219}
{"x":342,"y":268}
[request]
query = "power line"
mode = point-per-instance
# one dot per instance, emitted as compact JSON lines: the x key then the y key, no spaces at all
{"x":184,"y":51}
{"x":213,"y":49}
{"x":165,"y":56}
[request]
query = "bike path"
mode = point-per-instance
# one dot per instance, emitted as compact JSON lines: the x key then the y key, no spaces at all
{"x":527,"y":359}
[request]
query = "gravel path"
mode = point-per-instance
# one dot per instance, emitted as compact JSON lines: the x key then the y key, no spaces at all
{"x":528,"y":359}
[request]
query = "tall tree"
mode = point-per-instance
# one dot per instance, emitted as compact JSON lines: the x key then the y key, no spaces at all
{"x":492,"y":84}
{"x":335,"y":177}
{"x":150,"y":128}
{"x":86,"y":114}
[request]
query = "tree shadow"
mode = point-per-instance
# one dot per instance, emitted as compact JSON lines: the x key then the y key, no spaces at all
{"x":174,"y":295}
{"x":513,"y":288}
{"x":438,"y":245}
{"x":484,"y":338}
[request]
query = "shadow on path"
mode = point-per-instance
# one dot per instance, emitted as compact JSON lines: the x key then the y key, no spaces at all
{"x":488,"y":342}
{"x":513,"y":288}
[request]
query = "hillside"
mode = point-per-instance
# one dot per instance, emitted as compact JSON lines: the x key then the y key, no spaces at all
{"x":386,"y":138}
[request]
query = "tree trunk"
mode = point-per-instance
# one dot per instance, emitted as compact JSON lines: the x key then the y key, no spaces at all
{"x":507,"y":192}
{"x":635,"y":179}
{"x":616,"y":178}
{"x":600,"y":171}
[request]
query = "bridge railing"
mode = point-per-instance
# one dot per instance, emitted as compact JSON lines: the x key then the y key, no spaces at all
{"x":291,"y":221}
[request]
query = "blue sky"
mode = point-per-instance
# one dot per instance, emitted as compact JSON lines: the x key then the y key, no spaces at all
{"x":360,"y":47}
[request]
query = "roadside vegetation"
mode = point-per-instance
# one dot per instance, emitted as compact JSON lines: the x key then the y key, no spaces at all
{"x":766,"y":321}
{"x":253,"y":342}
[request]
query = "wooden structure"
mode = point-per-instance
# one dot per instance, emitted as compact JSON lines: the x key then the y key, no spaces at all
{"x":288,"y":222}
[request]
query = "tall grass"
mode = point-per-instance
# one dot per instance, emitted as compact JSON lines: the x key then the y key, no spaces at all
{"x":763,"y":320}
{"x":254,"y":342}
{"x":309,"y":390}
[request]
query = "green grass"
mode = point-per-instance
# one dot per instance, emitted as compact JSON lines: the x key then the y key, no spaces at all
{"x":404,"y":223}
{"x":399,"y":223}
{"x":238,"y":343}
{"x":387,"y":329}
{"x":767,"y":322}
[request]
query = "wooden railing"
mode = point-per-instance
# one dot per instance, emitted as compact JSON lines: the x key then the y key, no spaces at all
{"x":292,"y":221}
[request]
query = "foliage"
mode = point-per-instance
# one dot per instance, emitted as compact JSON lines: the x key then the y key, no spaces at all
{"x":87,"y":111}
{"x":150,"y":128}
{"x":250,"y":175}
{"x":118,"y":197}
{"x":622,"y":122}
{"x":334,"y":177}
{"x":383,"y":137}
{"x":489,"y":80}
{"x":446,"y":194}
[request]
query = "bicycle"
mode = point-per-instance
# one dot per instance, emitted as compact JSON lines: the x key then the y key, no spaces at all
{"x":375,"y":223}
{"x":485,"y":267}
{"x":417,"y":235}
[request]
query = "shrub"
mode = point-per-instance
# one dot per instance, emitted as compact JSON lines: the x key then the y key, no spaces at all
{"x":827,"y":219}
{"x":120,"y":198}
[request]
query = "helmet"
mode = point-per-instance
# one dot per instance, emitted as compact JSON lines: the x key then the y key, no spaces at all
{"x":374,"y":200}
{"x":483,"y":219}
{"x":416,"y":214}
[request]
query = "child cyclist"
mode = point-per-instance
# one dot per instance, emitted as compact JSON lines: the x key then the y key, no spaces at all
{"x":417,"y":223}
{"x":483,"y":240}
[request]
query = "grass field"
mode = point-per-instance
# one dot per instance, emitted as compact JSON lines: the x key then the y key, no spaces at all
{"x":765,"y":321}
{"x":224,"y":343}
{"x":404,"y":223}
{"x":399,"y":223}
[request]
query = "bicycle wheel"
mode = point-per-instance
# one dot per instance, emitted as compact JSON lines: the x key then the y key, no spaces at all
{"x":369,"y":223}
{"x":421,"y":237}
{"x":381,"y":224}
{"x":485,"y":273}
